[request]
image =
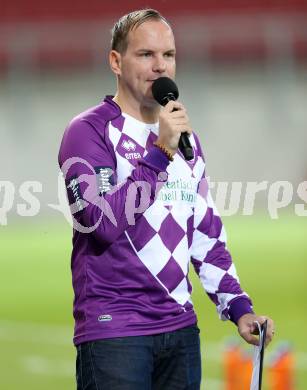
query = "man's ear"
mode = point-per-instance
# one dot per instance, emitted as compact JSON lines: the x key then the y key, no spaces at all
{"x":115,"y":62}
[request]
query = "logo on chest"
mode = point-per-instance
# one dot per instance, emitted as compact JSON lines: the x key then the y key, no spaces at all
{"x":129,"y":149}
{"x":128,"y":145}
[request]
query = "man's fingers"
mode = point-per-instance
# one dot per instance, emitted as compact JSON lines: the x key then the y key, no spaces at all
{"x":268,"y":339}
{"x":249,"y":338}
{"x":270,"y":328}
{"x":262,"y":319}
{"x":180,"y":121}
{"x":248,"y":328}
{"x":173,"y":105}
{"x":270,"y":331}
{"x":184,"y":128}
{"x":173,"y":120}
{"x":179,"y":114}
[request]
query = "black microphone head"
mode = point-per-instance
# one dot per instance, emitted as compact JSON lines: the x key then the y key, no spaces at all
{"x":164,"y":89}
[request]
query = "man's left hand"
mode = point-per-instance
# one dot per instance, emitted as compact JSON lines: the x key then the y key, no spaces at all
{"x":248,"y":329}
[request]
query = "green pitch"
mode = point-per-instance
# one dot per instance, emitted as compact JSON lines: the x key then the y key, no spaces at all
{"x":36,"y":298}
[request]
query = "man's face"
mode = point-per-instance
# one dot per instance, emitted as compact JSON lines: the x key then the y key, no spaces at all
{"x":150,"y":54}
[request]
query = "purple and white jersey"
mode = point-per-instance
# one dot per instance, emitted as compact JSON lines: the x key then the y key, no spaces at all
{"x":138,"y":221}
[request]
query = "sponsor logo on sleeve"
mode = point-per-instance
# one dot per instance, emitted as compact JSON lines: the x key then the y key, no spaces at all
{"x":74,"y":193}
{"x":105,"y":179}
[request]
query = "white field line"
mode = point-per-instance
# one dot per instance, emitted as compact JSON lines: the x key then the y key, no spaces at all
{"x":211,"y":384}
{"x":62,"y":335}
{"x":36,"y":333}
{"x":40,"y":365}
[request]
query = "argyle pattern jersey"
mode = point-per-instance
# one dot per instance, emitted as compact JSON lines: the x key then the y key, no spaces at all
{"x":139,"y":221}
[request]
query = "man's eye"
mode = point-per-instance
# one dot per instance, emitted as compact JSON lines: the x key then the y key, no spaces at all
{"x":169,"y":54}
{"x":146,"y":54}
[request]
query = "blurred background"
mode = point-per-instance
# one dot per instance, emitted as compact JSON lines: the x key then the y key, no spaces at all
{"x":242,"y":74}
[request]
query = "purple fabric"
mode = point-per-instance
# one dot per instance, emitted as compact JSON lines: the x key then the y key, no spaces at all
{"x":171,"y":275}
{"x":119,"y":289}
{"x":151,"y":139}
{"x":219,"y":256}
{"x":203,"y":187}
{"x":211,"y":224}
{"x":197,"y":264}
{"x":156,"y":158}
{"x":190,"y":287}
{"x":116,"y":286}
{"x":239,"y":307}
{"x":96,"y":152}
{"x":118,"y":122}
{"x":109,"y":284}
{"x":229,"y":285}
{"x":168,"y":226}
{"x":190,"y":229}
{"x":141,"y":233}
{"x":214,"y":298}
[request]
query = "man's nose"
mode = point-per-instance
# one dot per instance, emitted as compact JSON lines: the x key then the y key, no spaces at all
{"x":159,"y":64}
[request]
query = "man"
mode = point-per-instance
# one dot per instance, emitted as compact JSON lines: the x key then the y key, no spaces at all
{"x":141,"y":212}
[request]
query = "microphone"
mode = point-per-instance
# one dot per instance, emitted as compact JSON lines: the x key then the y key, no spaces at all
{"x":164,"y":90}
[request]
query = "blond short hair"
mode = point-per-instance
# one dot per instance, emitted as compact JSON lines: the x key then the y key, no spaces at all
{"x":126,"y":23}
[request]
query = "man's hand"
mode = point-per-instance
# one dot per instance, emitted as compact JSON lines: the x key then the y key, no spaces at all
{"x":248,"y":329}
{"x":173,"y":121}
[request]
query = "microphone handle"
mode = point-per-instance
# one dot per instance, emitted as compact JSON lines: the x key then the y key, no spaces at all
{"x":184,"y":144}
